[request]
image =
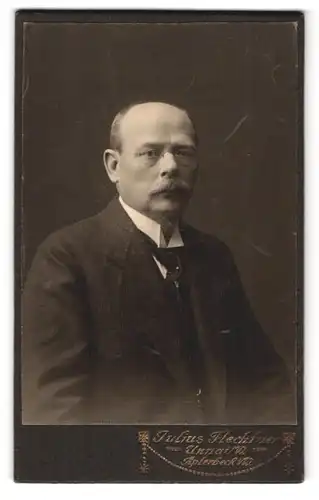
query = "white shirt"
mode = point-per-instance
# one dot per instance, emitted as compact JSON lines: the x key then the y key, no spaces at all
{"x":154,"y":231}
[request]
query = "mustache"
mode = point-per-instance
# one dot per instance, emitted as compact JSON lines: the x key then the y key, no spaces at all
{"x":172,"y":187}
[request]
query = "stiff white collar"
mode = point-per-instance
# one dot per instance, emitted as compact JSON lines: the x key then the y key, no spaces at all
{"x":151,"y":228}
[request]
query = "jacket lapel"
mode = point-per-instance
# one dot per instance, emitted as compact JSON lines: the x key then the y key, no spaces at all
{"x":146,"y":310}
{"x":137,"y":291}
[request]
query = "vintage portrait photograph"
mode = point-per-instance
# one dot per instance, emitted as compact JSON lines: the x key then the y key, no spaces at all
{"x":159,"y":245}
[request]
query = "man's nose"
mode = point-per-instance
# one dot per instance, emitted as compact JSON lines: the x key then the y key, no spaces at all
{"x":168,"y":164}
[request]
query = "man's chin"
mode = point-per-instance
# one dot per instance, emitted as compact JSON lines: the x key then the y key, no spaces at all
{"x":168,"y":207}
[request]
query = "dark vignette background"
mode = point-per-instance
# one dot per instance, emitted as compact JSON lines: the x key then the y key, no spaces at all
{"x":239,"y":82}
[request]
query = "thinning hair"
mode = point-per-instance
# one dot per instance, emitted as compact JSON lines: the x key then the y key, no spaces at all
{"x":115,"y":132}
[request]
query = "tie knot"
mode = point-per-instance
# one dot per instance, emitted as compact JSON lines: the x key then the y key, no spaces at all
{"x":171,"y":258}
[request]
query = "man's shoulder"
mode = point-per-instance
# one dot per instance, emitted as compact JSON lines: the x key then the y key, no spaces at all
{"x":92,"y":232}
{"x":89,"y":239}
{"x":73,"y":235}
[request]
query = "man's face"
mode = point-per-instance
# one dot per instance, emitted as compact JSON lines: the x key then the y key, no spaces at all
{"x":157,"y":164}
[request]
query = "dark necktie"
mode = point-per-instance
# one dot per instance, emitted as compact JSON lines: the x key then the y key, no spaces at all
{"x":171,"y":259}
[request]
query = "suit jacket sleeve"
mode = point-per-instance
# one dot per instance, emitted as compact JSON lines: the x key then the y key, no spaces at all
{"x":55,"y":346}
{"x":258,"y":376}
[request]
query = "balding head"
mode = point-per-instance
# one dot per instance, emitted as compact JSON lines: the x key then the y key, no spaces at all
{"x":144,"y":111}
{"x":153,"y":158}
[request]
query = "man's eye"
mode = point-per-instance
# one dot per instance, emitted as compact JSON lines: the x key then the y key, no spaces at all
{"x":185,"y":153}
{"x":149,"y":153}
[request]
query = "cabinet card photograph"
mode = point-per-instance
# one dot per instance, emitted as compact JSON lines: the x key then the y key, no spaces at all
{"x":158,"y":246}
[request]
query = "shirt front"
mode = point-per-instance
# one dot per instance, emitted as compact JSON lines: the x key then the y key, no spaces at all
{"x":154,"y":231}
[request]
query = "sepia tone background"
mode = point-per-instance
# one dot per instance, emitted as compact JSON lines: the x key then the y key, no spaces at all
{"x":239,"y":82}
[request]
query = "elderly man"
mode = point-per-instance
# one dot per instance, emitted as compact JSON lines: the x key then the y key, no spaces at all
{"x":132,"y":316}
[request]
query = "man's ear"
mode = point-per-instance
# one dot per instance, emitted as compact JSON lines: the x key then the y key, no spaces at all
{"x":111,"y":162}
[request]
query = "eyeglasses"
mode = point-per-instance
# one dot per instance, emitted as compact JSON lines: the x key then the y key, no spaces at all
{"x":181,"y":154}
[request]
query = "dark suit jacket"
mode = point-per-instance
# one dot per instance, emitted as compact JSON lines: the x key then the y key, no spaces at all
{"x":99,"y":344}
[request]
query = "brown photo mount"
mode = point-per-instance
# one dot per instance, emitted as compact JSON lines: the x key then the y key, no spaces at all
{"x":151,"y":347}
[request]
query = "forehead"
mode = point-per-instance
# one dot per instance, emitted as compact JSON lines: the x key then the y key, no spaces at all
{"x":156,"y":123}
